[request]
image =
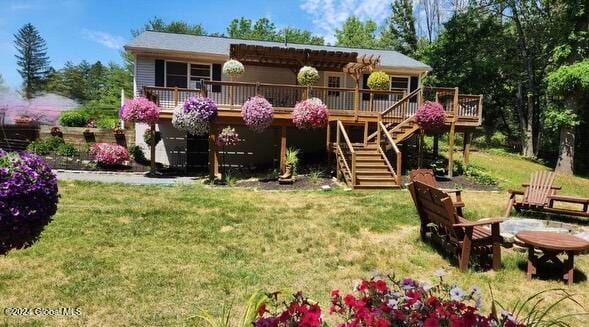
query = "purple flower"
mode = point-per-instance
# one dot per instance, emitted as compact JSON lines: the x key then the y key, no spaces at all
{"x":195,"y":115}
{"x":257,"y":113}
{"x":431,"y":116}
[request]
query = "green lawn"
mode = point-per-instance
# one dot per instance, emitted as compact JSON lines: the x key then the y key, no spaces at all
{"x":147,"y":256}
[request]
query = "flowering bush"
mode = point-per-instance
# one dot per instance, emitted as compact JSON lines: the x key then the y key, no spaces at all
{"x":195,"y":115}
{"x":228,"y":137}
{"x":257,"y":113}
{"x":300,"y":312}
{"x":310,"y":113}
{"x":140,"y":110}
{"x":431,"y":116}
{"x":233,"y":68}
{"x":411,"y":303}
{"x":307,"y":76}
{"x":109,"y":154}
{"x":28,"y":198}
{"x":379,"y":80}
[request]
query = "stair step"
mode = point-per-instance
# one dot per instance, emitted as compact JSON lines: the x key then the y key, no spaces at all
{"x":365,"y":164}
{"x":384,"y":179}
{"x":376,"y":185}
{"x":369,"y":159}
{"x":373,"y":171}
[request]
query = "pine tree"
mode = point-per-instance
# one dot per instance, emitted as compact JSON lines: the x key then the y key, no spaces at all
{"x":399,"y":33}
{"x":31,"y":58}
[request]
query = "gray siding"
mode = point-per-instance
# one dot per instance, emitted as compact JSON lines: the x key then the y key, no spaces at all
{"x":144,"y":74}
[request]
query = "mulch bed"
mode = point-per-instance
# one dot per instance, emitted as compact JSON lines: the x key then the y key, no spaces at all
{"x":301,"y":183}
{"x":462,"y":183}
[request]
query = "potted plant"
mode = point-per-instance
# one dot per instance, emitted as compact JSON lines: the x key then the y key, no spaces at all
{"x":257,"y":113}
{"x":56,"y":131}
{"x":195,"y":115}
{"x":291,"y":161}
{"x":379,"y":80}
{"x":89,"y":136}
{"x":29,"y":201}
{"x":431,"y":117}
{"x":120,"y":137}
{"x":142,"y":110}
{"x":310,"y":113}
{"x":307,"y":76}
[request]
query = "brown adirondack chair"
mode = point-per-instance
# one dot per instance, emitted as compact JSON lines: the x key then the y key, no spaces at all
{"x":540,"y":195}
{"x":441,"y":224}
{"x":427,"y":176}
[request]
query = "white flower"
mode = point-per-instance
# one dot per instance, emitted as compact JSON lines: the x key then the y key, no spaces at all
{"x":440,"y":273}
{"x":456,"y":294}
{"x":392,"y":303}
{"x":233,"y":68}
{"x":427,"y":286}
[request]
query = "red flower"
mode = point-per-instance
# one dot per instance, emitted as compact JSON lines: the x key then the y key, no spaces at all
{"x":380,"y":285}
{"x":430,"y":322}
{"x":262,"y":309}
{"x":335,"y":293}
{"x":350,"y":300}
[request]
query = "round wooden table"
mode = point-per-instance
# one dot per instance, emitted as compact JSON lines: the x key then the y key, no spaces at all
{"x":552,"y":244}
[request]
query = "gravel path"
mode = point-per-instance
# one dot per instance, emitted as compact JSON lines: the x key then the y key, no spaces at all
{"x":135,"y":179}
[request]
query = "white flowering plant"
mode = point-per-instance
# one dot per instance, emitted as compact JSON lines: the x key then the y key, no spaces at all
{"x":307,"y":76}
{"x":233,"y":68}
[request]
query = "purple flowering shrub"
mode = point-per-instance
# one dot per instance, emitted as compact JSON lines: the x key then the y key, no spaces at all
{"x":28,"y":198}
{"x":310,"y":113}
{"x":195,"y":115}
{"x":257,"y":113}
{"x":108,"y":154}
{"x":431,"y":116}
{"x":140,"y":110}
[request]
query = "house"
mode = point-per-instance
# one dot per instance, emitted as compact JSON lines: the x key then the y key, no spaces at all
{"x":366,"y":126}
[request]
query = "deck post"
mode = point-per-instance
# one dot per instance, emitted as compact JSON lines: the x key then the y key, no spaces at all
{"x":466,"y":150}
{"x":328,"y":141}
{"x":152,"y":150}
{"x":176,"y":96}
{"x":420,"y":149}
{"x":366,"y":133}
{"x":213,"y":155}
{"x":452,"y":134}
{"x":337,"y":159}
{"x":356,"y":98}
{"x":282,"y":149}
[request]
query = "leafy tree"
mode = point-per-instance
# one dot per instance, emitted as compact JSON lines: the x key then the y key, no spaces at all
{"x":262,"y":29}
{"x":399,"y":32}
{"x":296,"y":35}
{"x":176,"y":26}
{"x":569,"y":86}
{"x":32,"y":58}
{"x":357,"y":34}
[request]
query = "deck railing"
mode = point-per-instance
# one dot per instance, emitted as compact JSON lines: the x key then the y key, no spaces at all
{"x":384,"y":142}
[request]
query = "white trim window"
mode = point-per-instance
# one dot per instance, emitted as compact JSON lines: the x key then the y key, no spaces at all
{"x":186,"y":75}
{"x":400,"y":82}
{"x":334,"y":81}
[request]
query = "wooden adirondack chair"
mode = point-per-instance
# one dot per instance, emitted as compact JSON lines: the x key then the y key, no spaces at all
{"x":540,"y":195}
{"x":441,"y":224}
{"x":427,"y":176}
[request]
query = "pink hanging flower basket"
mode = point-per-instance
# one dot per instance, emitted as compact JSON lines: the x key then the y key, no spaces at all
{"x":257,"y":113}
{"x":140,"y":110}
{"x":431,"y":117}
{"x":310,"y":113}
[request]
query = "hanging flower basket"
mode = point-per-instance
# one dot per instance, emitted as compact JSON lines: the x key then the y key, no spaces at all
{"x":431,"y":117}
{"x":195,"y":115}
{"x":379,"y":80}
{"x":233,"y":68}
{"x":228,"y":137}
{"x":28,"y":198}
{"x":307,"y":76}
{"x":257,"y":113}
{"x":140,"y":110}
{"x":310,"y":113}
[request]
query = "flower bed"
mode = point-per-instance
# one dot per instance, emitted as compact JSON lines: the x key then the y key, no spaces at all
{"x":195,"y":115}
{"x":431,"y":117}
{"x":310,"y":113}
{"x":257,"y":113}
{"x":108,"y":154}
{"x":28,"y":198}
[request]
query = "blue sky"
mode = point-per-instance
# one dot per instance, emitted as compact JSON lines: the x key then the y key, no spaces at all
{"x":96,"y":30}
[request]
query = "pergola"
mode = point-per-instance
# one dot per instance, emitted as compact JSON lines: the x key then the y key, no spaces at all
{"x":295,"y":58}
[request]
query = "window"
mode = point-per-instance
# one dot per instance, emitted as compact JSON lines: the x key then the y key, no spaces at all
{"x":176,"y":74}
{"x":400,"y":83}
{"x":199,"y":72}
{"x":334,"y":82}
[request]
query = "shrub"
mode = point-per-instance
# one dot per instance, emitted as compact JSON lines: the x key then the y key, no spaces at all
{"x":195,"y":115}
{"x":53,"y":142}
{"x":136,"y":152}
{"x":38,"y":147}
{"x":108,"y":154}
{"x":307,"y":76}
{"x":28,"y":198}
{"x":140,"y":110}
{"x":73,"y":119}
{"x":257,"y":113}
{"x":108,"y":123}
{"x":233,"y":68}
{"x":310,"y":113}
{"x":431,"y":116}
{"x":379,"y":80}
{"x":67,"y":150}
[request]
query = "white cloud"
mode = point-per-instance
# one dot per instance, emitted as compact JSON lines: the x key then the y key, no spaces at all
{"x":327,"y":15}
{"x":106,"y":39}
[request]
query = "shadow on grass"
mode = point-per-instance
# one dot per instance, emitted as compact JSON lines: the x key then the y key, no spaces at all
{"x":477,"y":263}
{"x":551,"y":271}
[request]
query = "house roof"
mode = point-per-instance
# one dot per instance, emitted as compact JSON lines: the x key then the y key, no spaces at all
{"x":172,"y":42}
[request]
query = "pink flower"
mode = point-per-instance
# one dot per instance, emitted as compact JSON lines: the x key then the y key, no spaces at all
{"x":431,"y":116}
{"x":310,"y":113}
{"x":257,"y":113}
{"x":109,"y":154}
{"x":140,"y":110}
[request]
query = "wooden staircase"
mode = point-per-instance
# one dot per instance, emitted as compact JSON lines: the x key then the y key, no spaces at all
{"x":372,"y":170}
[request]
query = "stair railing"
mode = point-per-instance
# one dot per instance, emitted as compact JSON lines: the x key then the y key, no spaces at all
{"x":382,"y":130}
{"x":345,"y":150}
{"x":398,"y":112}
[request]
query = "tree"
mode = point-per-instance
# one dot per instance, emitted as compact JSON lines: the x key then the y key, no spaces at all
{"x":262,"y":29}
{"x":399,"y":33}
{"x":32,"y":58}
{"x":300,"y":36}
{"x":432,"y":16}
{"x":357,"y":34}
{"x":159,"y":25}
{"x":3,"y":85}
{"x":569,"y":85}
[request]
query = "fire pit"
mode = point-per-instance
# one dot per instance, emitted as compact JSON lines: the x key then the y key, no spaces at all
{"x":511,"y":226}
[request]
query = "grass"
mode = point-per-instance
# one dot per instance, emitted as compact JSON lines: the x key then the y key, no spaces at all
{"x":146,"y":256}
